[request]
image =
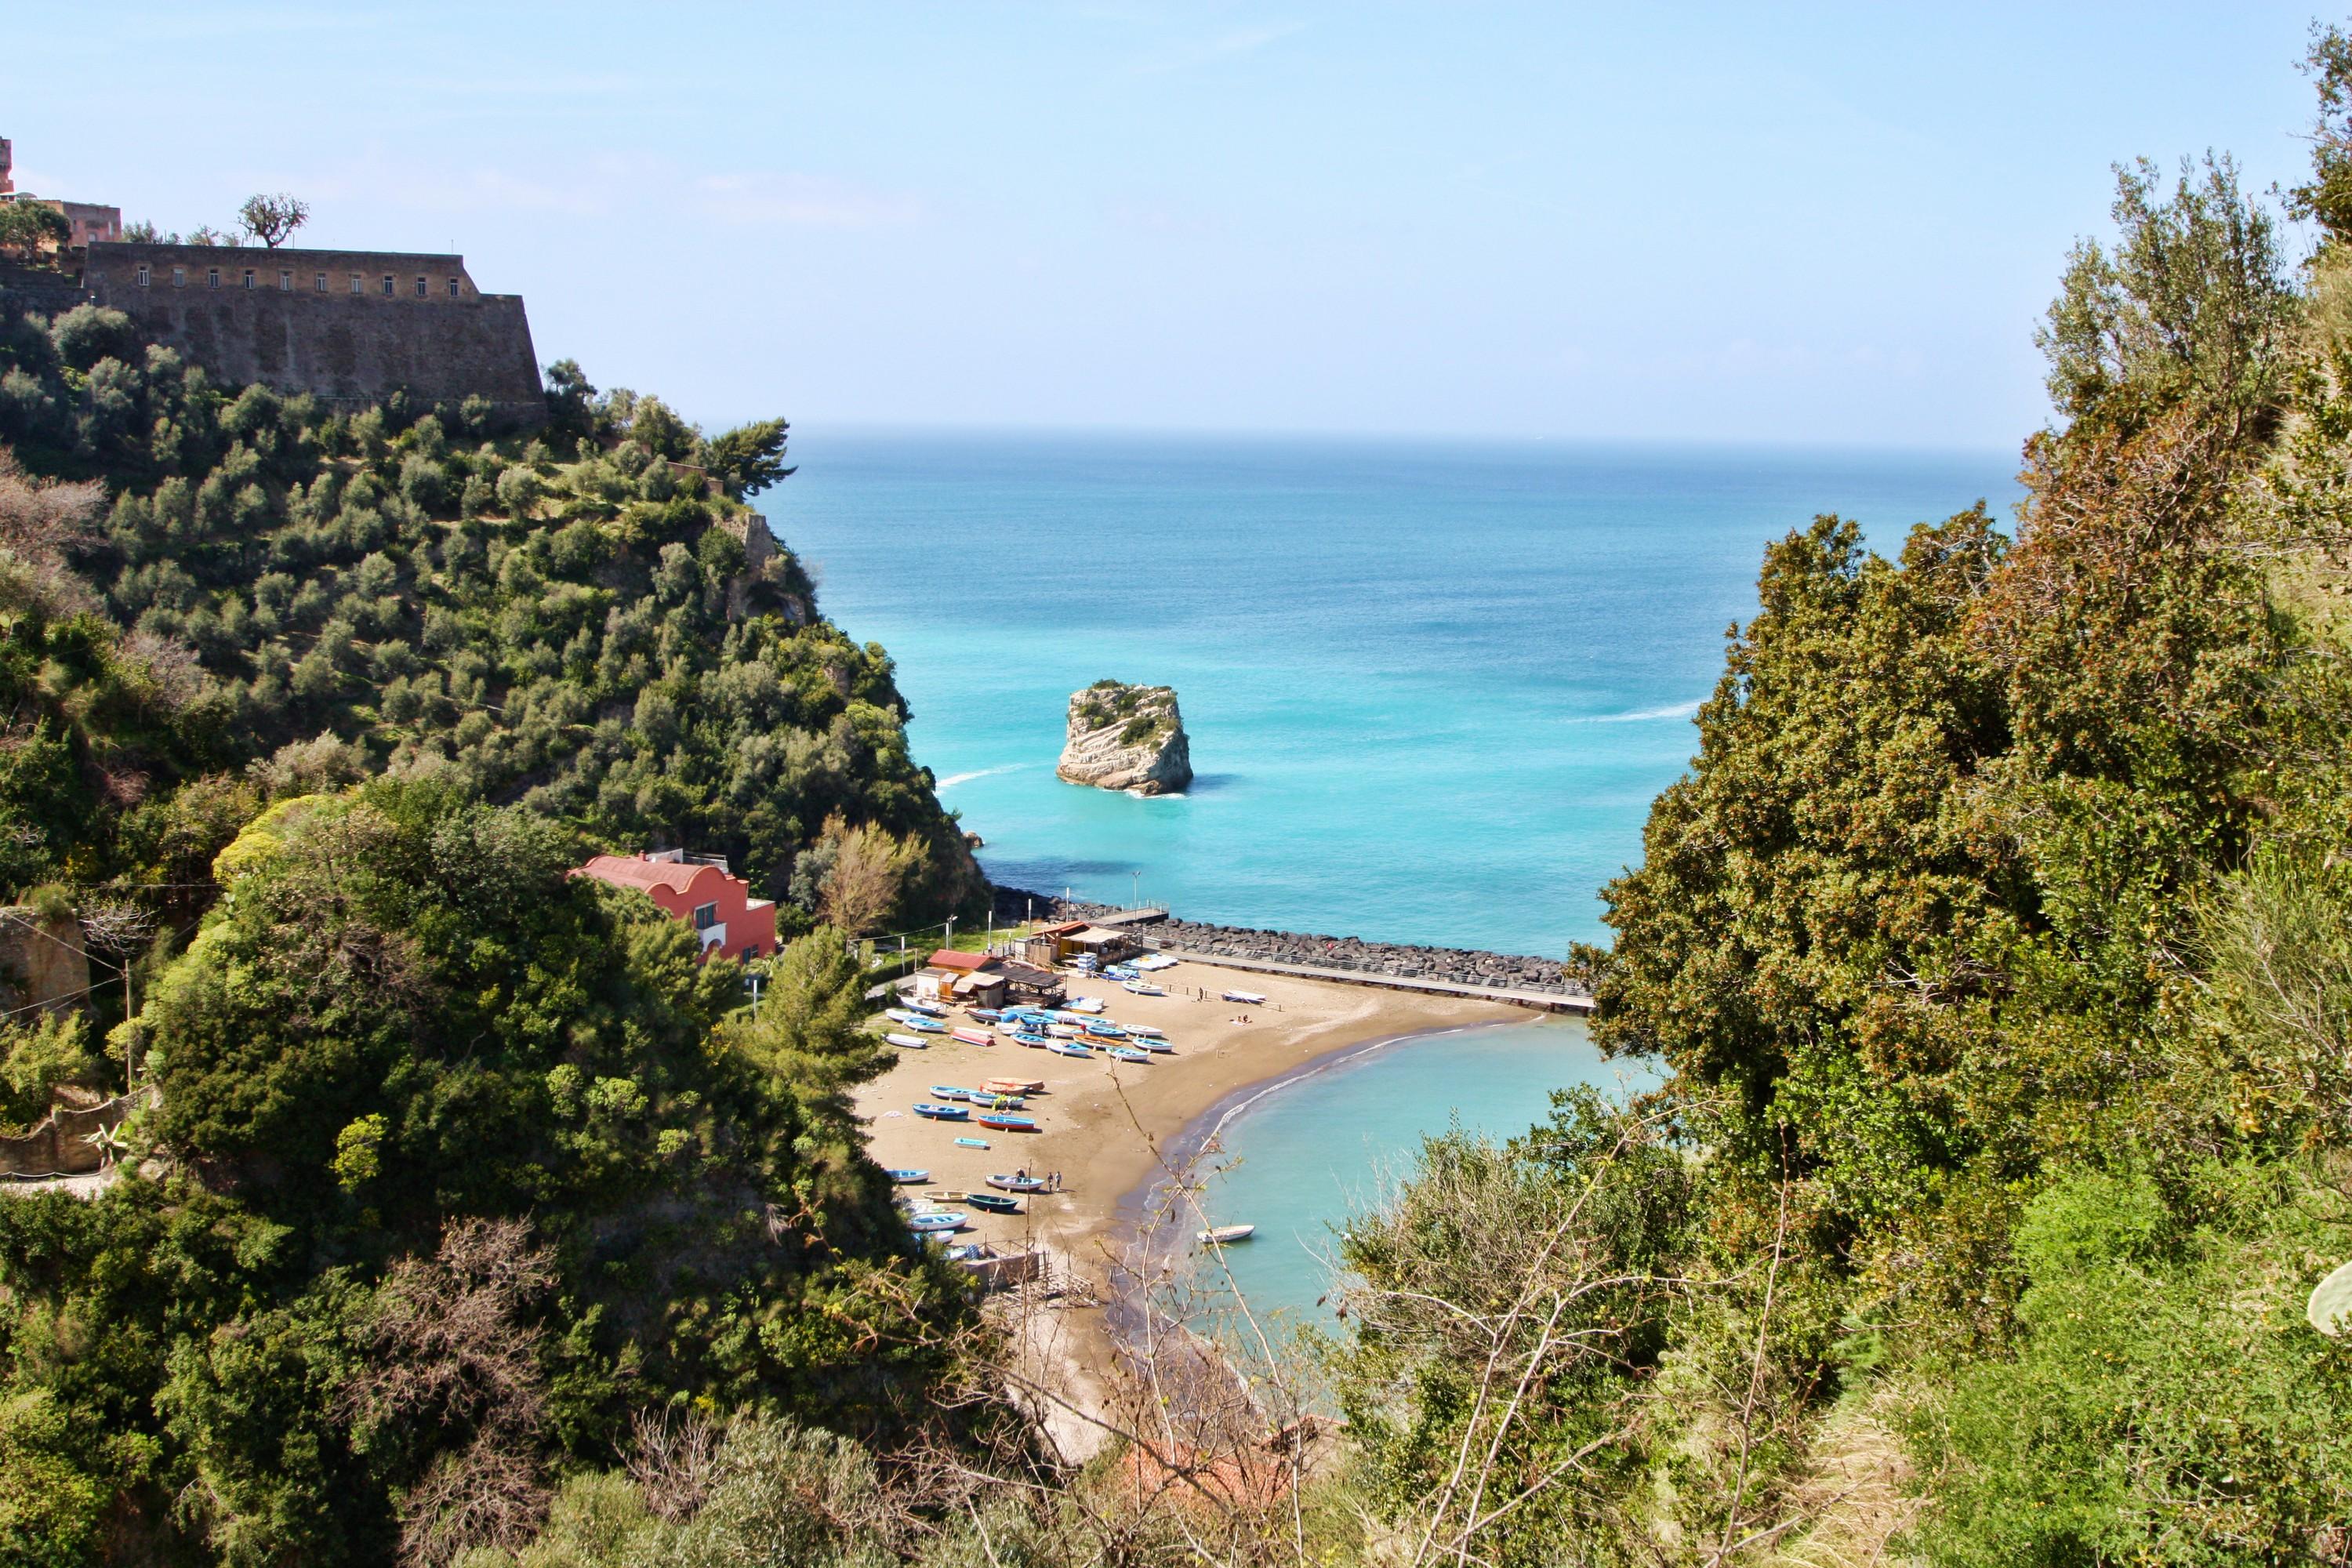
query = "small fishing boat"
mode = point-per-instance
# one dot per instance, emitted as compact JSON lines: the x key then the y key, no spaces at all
{"x":896,"y":1014}
{"x":1248,"y":998}
{"x":1226,"y":1235}
{"x":1152,"y":961}
{"x":1141,"y":988}
{"x":1005,"y":1121}
{"x":923,"y":1022}
{"x":1014,"y":1085}
{"x":965,"y":1251}
{"x":929,"y":1010}
{"x":970,"y":1036}
{"x":908,"y":1042}
{"x":985,"y":1015}
{"x":1011,"y":1026}
{"x":1122,"y":972}
{"x":1035,"y":1041}
{"x":1139,"y":1033}
{"x":1157,"y":1043}
{"x":1018,"y":1183}
{"x":1105,"y":1028}
{"x":1128,"y":1054}
{"x":944,"y":1112}
{"x":938,"y":1219}
{"x":949,"y":1091}
{"x":972,"y":1143}
{"x":908,"y":1178}
{"x":1068,"y":1048}
{"x":1065,"y":1031}
{"x":993,"y":1202}
{"x":998,"y":1101}
{"x":1083,"y":1004}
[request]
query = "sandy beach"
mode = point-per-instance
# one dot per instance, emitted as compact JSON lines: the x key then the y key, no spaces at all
{"x":1101,"y":1124}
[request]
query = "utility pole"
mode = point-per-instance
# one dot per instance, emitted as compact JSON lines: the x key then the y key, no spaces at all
{"x":752,"y":980}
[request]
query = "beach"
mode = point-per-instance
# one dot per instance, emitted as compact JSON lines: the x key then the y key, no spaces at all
{"x":1102,"y":1125}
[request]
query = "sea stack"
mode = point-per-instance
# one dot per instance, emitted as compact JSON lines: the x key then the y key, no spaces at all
{"x":1127,"y":738}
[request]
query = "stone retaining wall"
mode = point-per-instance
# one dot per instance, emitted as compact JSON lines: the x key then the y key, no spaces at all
{"x":1462,"y":966}
{"x":58,"y":1145}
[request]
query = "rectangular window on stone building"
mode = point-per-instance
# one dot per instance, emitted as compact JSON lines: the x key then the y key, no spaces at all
{"x":248,"y":277}
{"x":359,"y":284}
{"x":285,"y":282}
{"x":421,"y":290}
{"x":143,"y":277}
{"x":387,"y":285}
{"x":453,"y":287}
{"x":212,"y":277}
{"x":179,"y":276}
{"x":322,"y":285}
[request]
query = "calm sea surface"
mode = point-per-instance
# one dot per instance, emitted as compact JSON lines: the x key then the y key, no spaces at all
{"x":1431,"y":691}
{"x":1303,"y":1155}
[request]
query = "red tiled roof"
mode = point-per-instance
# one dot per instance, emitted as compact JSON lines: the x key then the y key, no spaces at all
{"x":635,"y":871}
{"x":949,"y":958}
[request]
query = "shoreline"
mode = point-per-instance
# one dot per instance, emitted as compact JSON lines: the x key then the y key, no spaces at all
{"x":1191,"y":1145}
{"x":1112,"y":1129}
{"x":1410,"y":964}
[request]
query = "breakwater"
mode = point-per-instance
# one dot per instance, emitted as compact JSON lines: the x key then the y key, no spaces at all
{"x":1458,"y":966}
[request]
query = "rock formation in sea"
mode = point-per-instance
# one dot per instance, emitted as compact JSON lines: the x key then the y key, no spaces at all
{"x":1128,"y":738}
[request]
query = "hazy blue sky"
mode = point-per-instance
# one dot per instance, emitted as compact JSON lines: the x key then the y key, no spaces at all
{"x":1674,"y":222}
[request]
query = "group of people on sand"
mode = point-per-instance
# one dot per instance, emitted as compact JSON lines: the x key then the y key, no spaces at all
{"x":1053,"y":1183}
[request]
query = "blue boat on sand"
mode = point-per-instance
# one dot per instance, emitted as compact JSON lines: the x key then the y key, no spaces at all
{"x":942,"y":1112}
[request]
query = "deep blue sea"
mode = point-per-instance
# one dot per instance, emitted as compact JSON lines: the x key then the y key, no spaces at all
{"x":1431,"y":689}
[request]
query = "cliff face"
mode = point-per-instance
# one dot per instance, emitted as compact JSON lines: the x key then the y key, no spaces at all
{"x":1127,"y":738}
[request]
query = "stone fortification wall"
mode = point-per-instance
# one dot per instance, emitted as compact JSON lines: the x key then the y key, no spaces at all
{"x":1463,"y":966}
{"x":347,"y":326}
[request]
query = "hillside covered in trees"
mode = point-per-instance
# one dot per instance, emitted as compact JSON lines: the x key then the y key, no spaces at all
{"x":573,"y":624}
{"x":1998,"y":942}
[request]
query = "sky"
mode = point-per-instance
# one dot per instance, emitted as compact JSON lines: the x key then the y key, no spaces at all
{"x":1822,"y":226}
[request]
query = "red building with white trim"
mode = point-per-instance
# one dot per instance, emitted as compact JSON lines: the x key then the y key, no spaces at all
{"x":698,"y":891}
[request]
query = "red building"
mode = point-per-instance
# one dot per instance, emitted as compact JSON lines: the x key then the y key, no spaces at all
{"x":697,"y":889}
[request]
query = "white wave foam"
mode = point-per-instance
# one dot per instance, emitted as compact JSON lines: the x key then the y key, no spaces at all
{"x":976,"y":773}
{"x":1642,"y":715}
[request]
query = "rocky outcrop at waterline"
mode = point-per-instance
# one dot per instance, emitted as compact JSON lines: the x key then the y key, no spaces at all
{"x":1127,"y":738}
{"x":1463,"y":966}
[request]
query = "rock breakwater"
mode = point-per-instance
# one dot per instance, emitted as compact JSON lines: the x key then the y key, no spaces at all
{"x":1462,"y":966}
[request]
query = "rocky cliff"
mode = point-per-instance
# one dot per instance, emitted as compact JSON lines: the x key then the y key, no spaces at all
{"x":1128,"y":738}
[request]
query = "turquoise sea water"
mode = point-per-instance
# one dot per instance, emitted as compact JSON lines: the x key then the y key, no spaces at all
{"x":1431,"y":689}
{"x":1304,"y":1155}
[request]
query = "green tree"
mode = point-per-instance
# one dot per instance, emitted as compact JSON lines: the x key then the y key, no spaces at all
{"x":750,"y":458}
{"x":272,"y":219}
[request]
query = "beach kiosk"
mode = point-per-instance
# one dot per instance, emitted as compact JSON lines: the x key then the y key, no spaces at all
{"x":970,"y":978}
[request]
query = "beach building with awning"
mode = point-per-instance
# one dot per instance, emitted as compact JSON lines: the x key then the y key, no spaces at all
{"x":1027,"y":982}
{"x":972,"y":978}
{"x":1102,"y":945}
